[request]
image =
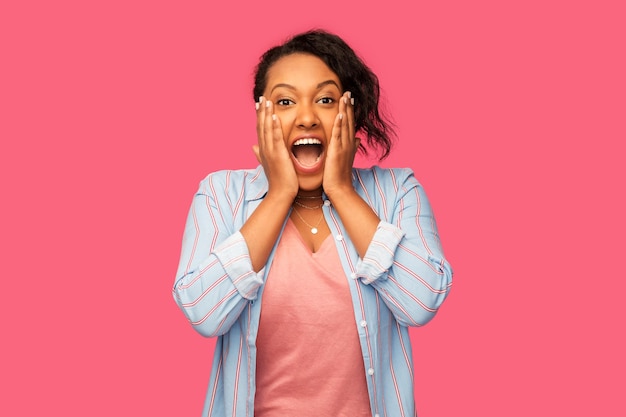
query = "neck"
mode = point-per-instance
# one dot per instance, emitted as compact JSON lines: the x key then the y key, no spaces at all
{"x":310,"y":200}
{"x":309,"y":194}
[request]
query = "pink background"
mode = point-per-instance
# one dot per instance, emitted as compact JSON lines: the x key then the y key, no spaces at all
{"x":511,"y":113}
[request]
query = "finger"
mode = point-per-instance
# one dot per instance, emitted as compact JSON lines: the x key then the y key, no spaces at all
{"x":335,"y":140}
{"x":340,"y":138}
{"x":350,"y":114}
{"x":268,"y":123}
{"x":346,"y":139}
{"x":277,"y":131}
{"x":260,"y":118}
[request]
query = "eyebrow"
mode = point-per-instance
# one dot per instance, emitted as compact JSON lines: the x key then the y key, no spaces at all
{"x":320,"y":85}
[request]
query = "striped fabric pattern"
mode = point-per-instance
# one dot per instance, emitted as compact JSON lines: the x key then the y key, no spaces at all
{"x":401,"y":281}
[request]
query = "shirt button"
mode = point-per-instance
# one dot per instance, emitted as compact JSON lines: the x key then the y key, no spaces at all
{"x":370,"y":371}
{"x":339,"y":237}
{"x":353,"y":275}
{"x":363,"y":323}
{"x":327,"y":203}
{"x":376,"y":415}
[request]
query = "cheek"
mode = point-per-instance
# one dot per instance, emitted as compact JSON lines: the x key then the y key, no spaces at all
{"x":328,"y":122}
{"x":286,"y":123}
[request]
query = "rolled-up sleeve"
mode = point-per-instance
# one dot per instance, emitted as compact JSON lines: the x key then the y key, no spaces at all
{"x":234,"y":257}
{"x":405,"y":261}
{"x":380,"y":253}
{"x":215,"y":280}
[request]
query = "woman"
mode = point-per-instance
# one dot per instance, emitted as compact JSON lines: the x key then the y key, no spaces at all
{"x":309,"y":270}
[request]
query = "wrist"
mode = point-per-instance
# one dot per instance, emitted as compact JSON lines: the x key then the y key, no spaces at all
{"x":340,"y":192}
{"x":280,"y":197}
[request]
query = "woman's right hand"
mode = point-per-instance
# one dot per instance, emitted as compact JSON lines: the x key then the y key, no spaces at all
{"x":272,"y":152}
{"x":262,"y":228}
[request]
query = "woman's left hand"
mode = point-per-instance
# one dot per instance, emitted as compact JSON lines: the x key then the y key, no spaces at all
{"x":341,"y":150}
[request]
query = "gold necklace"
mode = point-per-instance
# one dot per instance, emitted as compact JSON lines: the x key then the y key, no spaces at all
{"x":313,"y":228}
{"x":307,"y":207}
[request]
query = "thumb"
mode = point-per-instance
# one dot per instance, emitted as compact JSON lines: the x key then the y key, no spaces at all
{"x":255,"y":149}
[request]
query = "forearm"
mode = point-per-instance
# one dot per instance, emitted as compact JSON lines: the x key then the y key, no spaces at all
{"x":214,"y":281}
{"x":358,"y":218}
{"x":262,"y":228}
{"x":405,"y":262}
{"x":212,"y":296}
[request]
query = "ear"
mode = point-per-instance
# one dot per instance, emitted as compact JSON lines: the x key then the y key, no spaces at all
{"x":255,"y":149}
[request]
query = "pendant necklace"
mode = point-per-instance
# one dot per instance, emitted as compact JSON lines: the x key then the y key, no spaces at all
{"x":313,"y":228}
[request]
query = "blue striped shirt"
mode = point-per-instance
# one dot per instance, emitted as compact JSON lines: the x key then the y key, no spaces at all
{"x":401,"y":281}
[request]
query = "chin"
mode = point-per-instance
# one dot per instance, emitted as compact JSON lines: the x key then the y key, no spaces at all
{"x":310,"y":183}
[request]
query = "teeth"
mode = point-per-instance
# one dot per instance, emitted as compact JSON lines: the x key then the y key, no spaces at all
{"x":307,"y":141}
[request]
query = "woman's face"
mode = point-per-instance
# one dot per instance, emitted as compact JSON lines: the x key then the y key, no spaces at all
{"x":306,"y":94}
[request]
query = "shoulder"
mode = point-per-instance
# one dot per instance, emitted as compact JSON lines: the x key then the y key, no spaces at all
{"x":384,"y":188}
{"x":384,"y":178}
{"x":251,"y":182}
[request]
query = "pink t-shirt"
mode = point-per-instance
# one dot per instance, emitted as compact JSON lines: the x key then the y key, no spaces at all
{"x":309,"y":360}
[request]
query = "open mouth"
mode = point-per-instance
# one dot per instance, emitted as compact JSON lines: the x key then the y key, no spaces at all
{"x":307,"y":151}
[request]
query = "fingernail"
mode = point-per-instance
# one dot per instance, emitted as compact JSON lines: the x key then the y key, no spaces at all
{"x":349,"y":93}
{"x":340,"y":116}
{"x":274,"y":117}
{"x":267,"y":103}
{"x":345,"y":100}
{"x":352,"y":101}
{"x":256,"y":105}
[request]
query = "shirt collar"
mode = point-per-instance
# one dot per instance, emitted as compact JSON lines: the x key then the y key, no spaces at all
{"x":256,"y":184}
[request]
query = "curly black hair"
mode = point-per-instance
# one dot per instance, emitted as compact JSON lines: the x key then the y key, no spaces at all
{"x":354,"y":75}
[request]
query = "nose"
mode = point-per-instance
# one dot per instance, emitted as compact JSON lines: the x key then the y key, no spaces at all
{"x":306,"y":117}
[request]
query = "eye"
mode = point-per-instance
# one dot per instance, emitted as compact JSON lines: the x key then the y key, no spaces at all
{"x":326,"y":100}
{"x":284,"y":102}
